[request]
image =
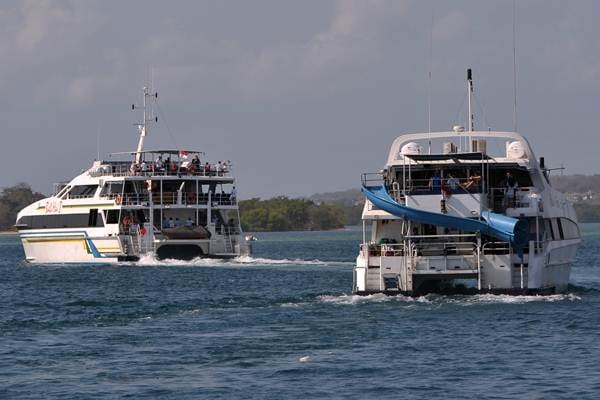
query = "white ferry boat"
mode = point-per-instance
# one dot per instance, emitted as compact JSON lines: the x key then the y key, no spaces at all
{"x":469,"y":211}
{"x":163,"y":203}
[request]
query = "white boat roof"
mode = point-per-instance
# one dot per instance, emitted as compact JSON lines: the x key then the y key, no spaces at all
{"x":395,"y":158}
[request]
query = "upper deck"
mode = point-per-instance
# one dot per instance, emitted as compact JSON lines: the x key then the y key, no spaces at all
{"x":164,"y":163}
{"x":461,"y":147}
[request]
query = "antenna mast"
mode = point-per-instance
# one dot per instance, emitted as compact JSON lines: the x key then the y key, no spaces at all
{"x":148,"y":118}
{"x":470,"y":96}
{"x":515,"y":65}
{"x":470,"y":122}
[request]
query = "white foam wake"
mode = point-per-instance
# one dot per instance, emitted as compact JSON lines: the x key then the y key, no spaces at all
{"x":348,"y":299}
{"x":510,"y":299}
{"x":150,"y":260}
{"x":434,"y":299}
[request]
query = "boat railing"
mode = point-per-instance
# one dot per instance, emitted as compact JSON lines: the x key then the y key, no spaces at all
{"x":425,"y":245}
{"x":502,"y":198}
{"x":171,"y":198}
{"x":69,"y":196}
{"x":495,"y":248}
{"x":129,"y":169}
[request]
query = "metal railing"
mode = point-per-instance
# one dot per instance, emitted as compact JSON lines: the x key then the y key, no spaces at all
{"x":171,"y":198}
{"x":129,"y":169}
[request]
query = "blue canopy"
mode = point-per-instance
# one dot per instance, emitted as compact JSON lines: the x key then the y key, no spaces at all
{"x":508,"y":229}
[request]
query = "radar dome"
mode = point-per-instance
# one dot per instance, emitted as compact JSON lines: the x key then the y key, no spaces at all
{"x":515,"y":150}
{"x":411,"y":148}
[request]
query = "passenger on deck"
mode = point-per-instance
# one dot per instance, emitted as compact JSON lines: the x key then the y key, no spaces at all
{"x":452,"y":182}
{"x":167,"y":164}
{"x":189,"y":222}
{"x":133,"y":170}
{"x":509,"y":182}
{"x":143,"y":167}
{"x":435,"y":182}
{"x":158,"y":164}
{"x":510,"y":186}
{"x":207,"y":169}
{"x":472,"y":182}
{"x":220,"y":168}
{"x":195,"y":164}
{"x":233,"y":194}
{"x":171,"y":222}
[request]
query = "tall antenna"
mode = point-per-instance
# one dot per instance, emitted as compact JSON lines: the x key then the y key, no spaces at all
{"x":470,"y":99}
{"x":148,"y":118}
{"x":515,"y":65}
{"x":97,"y":144}
{"x":429,"y":81}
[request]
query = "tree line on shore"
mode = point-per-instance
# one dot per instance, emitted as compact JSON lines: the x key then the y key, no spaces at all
{"x":276,"y":214}
{"x":12,"y":200}
{"x":285,"y":214}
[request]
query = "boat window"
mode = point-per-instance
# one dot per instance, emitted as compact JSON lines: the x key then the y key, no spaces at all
{"x":112,"y":188}
{"x":57,"y":221}
{"x":82,"y":191}
{"x":548,"y":226}
{"x":560,"y":228}
{"x":555,"y":231}
{"x":93,"y":217}
{"x":569,"y":228}
{"x":112,"y":216}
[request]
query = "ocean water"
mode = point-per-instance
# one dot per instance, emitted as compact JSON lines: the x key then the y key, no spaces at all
{"x":283,"y":324}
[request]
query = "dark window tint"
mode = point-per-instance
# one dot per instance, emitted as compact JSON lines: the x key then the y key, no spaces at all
{"x":112,"y":216}
{"x":560,"y":228}
{"x":58,"y":221}
{"x":93,"y":217}
{"x":569,"y":228}
{"x":112,"y":188}
{"x":82,"y":191}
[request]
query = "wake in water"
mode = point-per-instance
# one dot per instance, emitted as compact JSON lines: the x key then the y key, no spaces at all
{"x":150,"y":261}
{"x":436,"y":299}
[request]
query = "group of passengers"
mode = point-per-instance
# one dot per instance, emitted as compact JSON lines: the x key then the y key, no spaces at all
{"x":131,"y":225}
{"x":167,"y":166}
{"x":176,"y":222}
{"x":451,"y":184}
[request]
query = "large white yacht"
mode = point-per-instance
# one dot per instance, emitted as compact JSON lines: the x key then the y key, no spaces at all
{"x":465,"y":210}
{"x":166,"y":203}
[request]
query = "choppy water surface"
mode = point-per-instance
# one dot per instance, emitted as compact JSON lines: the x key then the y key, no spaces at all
{"x":283,"y":324}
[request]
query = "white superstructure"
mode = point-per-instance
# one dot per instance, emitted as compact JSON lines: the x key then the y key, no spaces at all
{"x":469,"y":210}
{"x":165,"y":203}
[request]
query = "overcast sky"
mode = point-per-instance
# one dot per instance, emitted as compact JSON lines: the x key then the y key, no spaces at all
{"x":302,"y":96}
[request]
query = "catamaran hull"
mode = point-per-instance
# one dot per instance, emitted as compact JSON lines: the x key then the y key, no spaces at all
{"x":79,"y":247}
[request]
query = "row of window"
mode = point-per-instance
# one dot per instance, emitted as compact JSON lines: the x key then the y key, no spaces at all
{"x":54,"y":221}
{"x":561,"y":229}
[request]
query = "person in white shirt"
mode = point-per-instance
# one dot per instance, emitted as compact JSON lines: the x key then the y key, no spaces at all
{"x":233,"y":194}
{"x":189,"y":223}
{"x":452,"y":182}
{"x":143,"y":167}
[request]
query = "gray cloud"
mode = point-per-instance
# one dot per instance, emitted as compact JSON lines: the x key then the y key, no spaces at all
{"x":305,"y":94}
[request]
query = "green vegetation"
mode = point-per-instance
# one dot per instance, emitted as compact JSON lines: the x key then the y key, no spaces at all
{"x":285,"y":214}
{"x":351,"y":201}
{"x":12,"y":200}
{"x":576,"y":183}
